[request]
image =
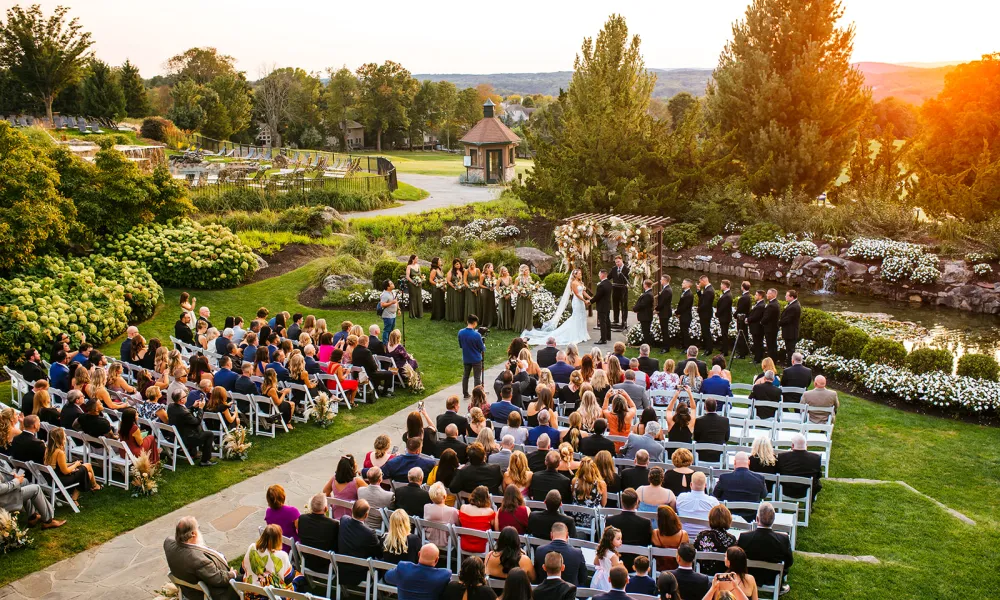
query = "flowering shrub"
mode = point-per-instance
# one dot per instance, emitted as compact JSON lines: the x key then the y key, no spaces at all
{"x":979,"y":257}
{"x":369,"y":296}
{"x":982,"y":269}
{"x":715,"y":241}
{"x":95,"y":296}
{"x":183,"y":253}
{"x":934,"y":388}
{"x":634,"y":335}
{"x":900,"y":260}
{"x":481,"y":229}
{"x":785,"y":251}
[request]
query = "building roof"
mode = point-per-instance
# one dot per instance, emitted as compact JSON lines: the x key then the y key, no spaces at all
{"x":353,"y":124}
{"x":490,"y":130}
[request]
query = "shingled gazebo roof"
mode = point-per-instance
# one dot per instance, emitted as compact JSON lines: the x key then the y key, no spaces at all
{"x":490,"y":130}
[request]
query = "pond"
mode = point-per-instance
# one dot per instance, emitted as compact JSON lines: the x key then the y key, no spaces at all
{"x":958,"y":331}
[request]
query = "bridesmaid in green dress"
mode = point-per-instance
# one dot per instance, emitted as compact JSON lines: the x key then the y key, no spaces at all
{"x":524,"y":313}
{"x":472,"y":277}
{"x":414,"y":288}
{"x":456,"y":298}
{"x":437,"y":294}
{"x":505,"y":312}
{"x":487,"y":297}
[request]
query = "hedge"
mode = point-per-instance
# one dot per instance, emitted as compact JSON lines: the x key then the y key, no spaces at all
{"x":555,"y":283}
{"x":980,"y":366}
{"x":823,"y":330}
{"x":386,"y":269}
{"x":928,"y":360}
{"x":883,"y":351}
{"x":755,"y":234}
{"x":849,"y":342}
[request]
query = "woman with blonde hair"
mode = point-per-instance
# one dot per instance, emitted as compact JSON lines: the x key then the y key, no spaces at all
{"x":477,"y":421}
{"x":351,"y":344}
{"x":569,"y":394}
{"x":266,"y":564}
{"x":518,"y":474}
{"x":567,"y":464}
{"x":532,"y":369}
{"x":678,"y":479}
{"x":589,"y":411}
{"x":572,"y":355}
{"x":588,"y":489}
{"x":665,"y":380}
{"x":439,"y":512}
{"x":286,"y":408}
{"x":598,"y":356}
{"x":42,"y":407}
{"x":545,"y":380}
{"x":10,"y":426}
{"x":297,"y":374}
{"x":356,"y":330}
{"x":380,"y":455}
{"x":767,"y":365}
{"x":400,"y":543}
{"x":97,"y":389}
{"x":574,"y":433}
{"x":600,"y":383}
{"x":488,"y":440}
{"x":615,"y":373}
{"x":78,"y":474}
{"x":763,"y":459}
{"x":116,"y":382}
{"x":609,"y":473}
{"x":320,"y":328}
{"x":692,"y":380}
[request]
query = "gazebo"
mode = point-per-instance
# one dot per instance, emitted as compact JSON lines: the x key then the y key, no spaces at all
{"x":489,"y":149}
{"x":629,"y":235}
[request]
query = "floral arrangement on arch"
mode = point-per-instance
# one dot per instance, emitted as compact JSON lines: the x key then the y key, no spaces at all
{"x":576,"y":239}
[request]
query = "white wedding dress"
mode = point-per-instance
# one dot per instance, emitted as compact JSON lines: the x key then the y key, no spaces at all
{"x":573,"y":331}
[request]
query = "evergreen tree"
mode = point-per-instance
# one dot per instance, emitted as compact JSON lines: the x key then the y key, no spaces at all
{"x":103,"y":98}
{"x":136,"y":99}
{"x":787,"y":91}
{"x":593,"y":158}
{"x":678,"y":107}
{"x":228,"y":111}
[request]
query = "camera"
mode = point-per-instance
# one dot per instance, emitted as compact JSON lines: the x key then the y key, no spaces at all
{"x":483,"y":331}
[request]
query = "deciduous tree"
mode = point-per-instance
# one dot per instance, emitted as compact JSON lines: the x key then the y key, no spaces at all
{"x":678,"y":106}
{"x":229,"y":112}
{"x":786,"y":89}
{"x":386,"y":94}
{"x":200,"y":65}
{"x":341,"y":101}
{"x":273,"y":93}
{"x":45,"y":54}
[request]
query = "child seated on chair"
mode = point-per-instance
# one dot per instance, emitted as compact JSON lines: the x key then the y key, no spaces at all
{"x":640,"y":582}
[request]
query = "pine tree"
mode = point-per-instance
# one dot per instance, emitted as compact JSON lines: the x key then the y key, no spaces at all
{"x":787,"y":92}
{"x":592,"y":152}
{"x":136,"y":100}
{"x":102,"y":95}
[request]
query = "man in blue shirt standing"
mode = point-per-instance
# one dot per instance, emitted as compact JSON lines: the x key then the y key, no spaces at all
{"x":473,"y":348}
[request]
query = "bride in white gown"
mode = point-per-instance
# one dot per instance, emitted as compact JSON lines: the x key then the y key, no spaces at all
{"x":574,"y":330}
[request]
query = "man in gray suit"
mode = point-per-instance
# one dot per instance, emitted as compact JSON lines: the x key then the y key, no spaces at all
{"x":502,"y":457}
{"x":646,"y":442}
{"x":17,"y":494}
{"x":192,"y":561}
{"x":635,"y":391}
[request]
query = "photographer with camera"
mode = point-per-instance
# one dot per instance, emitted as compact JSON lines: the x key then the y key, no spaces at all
{"x":470,"y":340}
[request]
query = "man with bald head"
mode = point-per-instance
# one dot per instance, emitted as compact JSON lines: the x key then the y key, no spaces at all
{"x":356,"y":539}
{"x":421,"y":581}
{"x":742,"y":485}
{"x":561,"y":369}
{"x":821,"y":397}
{"x":451,"y":441}
{"x":125,"y":352}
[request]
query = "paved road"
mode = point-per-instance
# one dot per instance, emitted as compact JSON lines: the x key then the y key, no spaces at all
{"x":445,"y":191}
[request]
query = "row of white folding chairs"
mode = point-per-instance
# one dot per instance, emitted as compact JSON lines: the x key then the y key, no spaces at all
{"x":45,"y":477}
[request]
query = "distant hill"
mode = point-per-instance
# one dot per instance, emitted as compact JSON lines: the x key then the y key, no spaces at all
{"x":909,"y":83}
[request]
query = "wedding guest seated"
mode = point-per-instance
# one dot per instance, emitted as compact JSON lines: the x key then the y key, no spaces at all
{"x":821,"y":397}
{"x":76,"y":473}
{"x":32,"y":369}
{"x":477,"y":513}
{"x":690,"y":584}
{"x":521,"y":384}
{"x":317,"y":530}
{"x":636,"y":530}
{"x":544,"y":401}
{"x":376,"y":496}
{"x":561,"y":369}
{"x":720,"y":361}
{"x":397,"y":352}
{"x":715,"y":539}
{"x":286,"y":408}
{"x":26,"y":446}
{"x":188,"y":424}
{"x":536,"y":459}
{"x":437,"y":511}
{"x":514,"y":429}
{"x":93,"y":422}
{"x":666,"y":380}
{"x":477,"y":473}
{"x":800,"y":462}
{"x":766,"y":545}
{"x":669,"y":533}
{"x":767,"y":365}
{"x":266,"y":563}
{"x":641,"y":378}
{"x":696,"y":503}
{"x":765,"y":389}
{"x":336,"y":368}
{"x":711,"y":428}
{"x":451,"y":441}
{"x":72,"y":409}
{"x":507,"y":555}
{"x":59,"y":377}
{"x":638,"y":475}
{"x":400,"y":544}
{"x":471,"y":584}
{"x":190,"y":560}
{"x":199,"y":398}
{"x":512,"y":512}
{"x":285,"y":516}
{"x":312,"y":365}
{"x":499,"y":411}
{"x":692,"y":357}
{"x":133,"y":437}
{"x":363,"y":357}
{"x":678,"y":479}
{"x":559,"y":559}
{"x":423,"y":580}
{"x":543,"y":428}
{"x":592,"y":444}
{"x":541,"y":522}
{"x":640,"y":582}
{"x":741,"y":485}
{"x":358,"y":540}
{"x":796,"y":376}
{"x":647,"y":441}
{"x":546,"y":356}
{"x":28,"y":400}
{"x":542,"y":482}
{"x":653,"y":494}
{"x":715,"y":384}
{"x":42,"y":404}
{"x":518,"y":474}
{"x":243,"y":384}
{"x":344,"y":484}
{"x":451,"y":416}
{"x":502,"y":457}
{"x":225,"y":376}
{"x":445,"y":470}
{"x":411,"y":497}
{"x":635,"y":390}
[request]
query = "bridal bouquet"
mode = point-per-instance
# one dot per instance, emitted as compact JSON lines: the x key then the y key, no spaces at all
{"x":459,"y":285}
{"x":490,"y":282}
{"x":504,"y":291}
{"x":440,"y":283}
{"x":527,"y":289}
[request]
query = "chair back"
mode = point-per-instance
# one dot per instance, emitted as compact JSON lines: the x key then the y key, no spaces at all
{"x":242,"y":589}
{"x":182,"y":585}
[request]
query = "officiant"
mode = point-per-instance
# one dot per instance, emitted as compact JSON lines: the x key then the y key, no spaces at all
{"x":619,"y":293}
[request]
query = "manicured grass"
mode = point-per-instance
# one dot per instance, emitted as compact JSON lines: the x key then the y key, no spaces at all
{"x":267,"y":243}
{"x":112,"y":511}
{"x":430,"y":162}
{"x":407,"y":192}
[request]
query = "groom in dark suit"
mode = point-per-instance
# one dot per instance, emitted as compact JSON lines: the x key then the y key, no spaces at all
{"x":602,"y":298}
{"x":664,"y":309}
{"x":644,"y":311}
{"x":619,"y":281}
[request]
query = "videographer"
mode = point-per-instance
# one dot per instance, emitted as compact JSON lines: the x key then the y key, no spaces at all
{"x":473,"y":348}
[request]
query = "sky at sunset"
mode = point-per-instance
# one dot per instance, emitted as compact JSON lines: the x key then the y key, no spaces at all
{"x":448,"y":36}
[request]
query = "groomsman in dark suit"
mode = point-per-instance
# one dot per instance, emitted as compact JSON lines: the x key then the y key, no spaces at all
{"x":756,"y":327}
{"x":789,"y":322}
{"x":772,"y":313}
{"x":743,"y":306}
{"x":664,"y":300}
{"x":644,"y":311}
{"x":706,"y":298}
{"x":602,"y":298}
{"x":684,"y":306}
{"x":619,"y":297}
{"x":724,"y":312}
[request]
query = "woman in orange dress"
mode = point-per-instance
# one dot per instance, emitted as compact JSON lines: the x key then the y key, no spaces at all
{"x":620,"y":415}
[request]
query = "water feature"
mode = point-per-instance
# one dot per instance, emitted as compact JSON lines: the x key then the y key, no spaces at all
{"x":958,"y":331}
{"x":829,"y":282}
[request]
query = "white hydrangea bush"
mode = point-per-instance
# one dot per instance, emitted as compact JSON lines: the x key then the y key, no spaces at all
{"x":481,"y":229}
{"x":901,"y":261}
{"x":185,"y":254}
{"x":785,"y":250}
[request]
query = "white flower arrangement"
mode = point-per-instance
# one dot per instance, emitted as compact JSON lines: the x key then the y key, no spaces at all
{"x":900,"y":260}
{"x":448,"y":240}
{"x":980,"y":257}
{"x":324,"y":410}
{"x":235,"y":445}
{"x":145,"y":475}
{"x":982,"y":269}
{"x":784,"y":250}
{"x":12,"y":536}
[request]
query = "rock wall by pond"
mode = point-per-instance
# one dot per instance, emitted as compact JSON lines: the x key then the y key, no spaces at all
{"x":956,"y":288}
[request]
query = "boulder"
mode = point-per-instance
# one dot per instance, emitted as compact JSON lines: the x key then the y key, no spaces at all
{"x":540,"y":262}
{"x":826,"y":250}
{"x":855,"y":269}
{"x":261,"y":263}
{"x":424,"y":264}
{"x":954,"y":272}
{"x":331,"y":214}
{"x":800,"y":261}
{"x":732,"y":240}
{"x":342,"y":281}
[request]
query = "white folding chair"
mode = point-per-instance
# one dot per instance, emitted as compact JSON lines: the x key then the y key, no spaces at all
{"x":364,"y":587}
{"x":45,"y":477}
{"x":242,"y":589}
{"x":336,"y":391}
{"x":313,"y":573}
{"x":804,"y":503}
{"x":169,"y":440}
{"x":267,"y":418}
{"x":201,"y":587}
{"x":120,"y":459}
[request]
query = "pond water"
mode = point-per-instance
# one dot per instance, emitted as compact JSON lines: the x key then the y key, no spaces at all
{"x":958,"y":331}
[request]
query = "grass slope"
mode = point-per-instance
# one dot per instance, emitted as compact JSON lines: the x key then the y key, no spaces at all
{"x":429,"y":162}
{"x":954,"y":462}
{"x":407,"y":192}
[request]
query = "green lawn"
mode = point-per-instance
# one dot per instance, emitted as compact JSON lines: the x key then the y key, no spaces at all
{"x":430,"y":162}
{"x":953,"y":462}
{"x":407,"y":192}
